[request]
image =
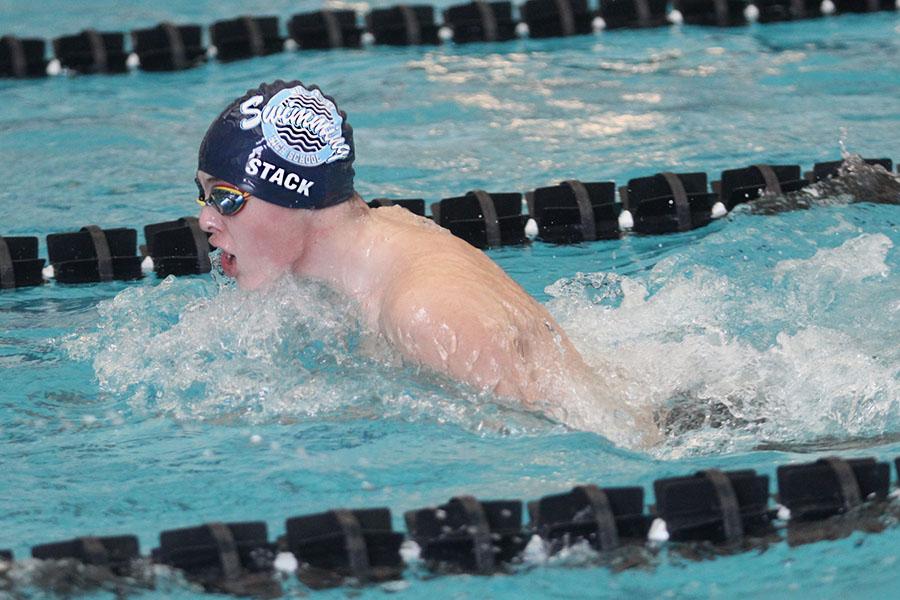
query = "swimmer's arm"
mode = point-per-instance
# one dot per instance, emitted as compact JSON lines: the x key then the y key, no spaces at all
{"x":448,"y":331}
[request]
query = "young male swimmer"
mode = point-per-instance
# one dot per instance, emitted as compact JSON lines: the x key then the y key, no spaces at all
{"x":276,"y":184}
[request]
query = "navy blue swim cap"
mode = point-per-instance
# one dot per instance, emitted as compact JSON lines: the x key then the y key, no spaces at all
{"x":285,"y":143}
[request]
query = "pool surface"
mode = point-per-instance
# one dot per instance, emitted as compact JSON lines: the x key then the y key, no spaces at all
{"x":772,"y":338}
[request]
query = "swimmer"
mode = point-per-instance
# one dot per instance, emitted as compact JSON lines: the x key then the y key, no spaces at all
{"x":275,"y":176}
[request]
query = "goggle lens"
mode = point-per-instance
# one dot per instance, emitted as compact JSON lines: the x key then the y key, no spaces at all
{"x":226,"y":199}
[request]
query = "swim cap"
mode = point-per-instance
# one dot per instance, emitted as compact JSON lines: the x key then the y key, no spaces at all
{"x":285,"y":143}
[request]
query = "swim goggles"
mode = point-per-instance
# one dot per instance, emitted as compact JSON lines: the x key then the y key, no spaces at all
{"x":225,"y":198}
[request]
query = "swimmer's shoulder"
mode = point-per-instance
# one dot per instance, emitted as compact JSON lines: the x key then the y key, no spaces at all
{"x":424,"y":244}
{"x":398,"y":216}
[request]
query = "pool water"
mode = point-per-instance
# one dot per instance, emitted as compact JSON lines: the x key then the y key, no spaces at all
{"x":769,"y":338}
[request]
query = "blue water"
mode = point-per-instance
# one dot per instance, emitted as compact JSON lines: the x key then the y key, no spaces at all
{"x":134,"y":408}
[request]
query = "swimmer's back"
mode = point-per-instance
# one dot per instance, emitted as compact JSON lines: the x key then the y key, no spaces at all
{"x":452,"y":308}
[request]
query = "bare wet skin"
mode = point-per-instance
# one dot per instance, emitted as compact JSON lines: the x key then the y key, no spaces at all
{"x":446,"y":305}
{"x":440,"y":302}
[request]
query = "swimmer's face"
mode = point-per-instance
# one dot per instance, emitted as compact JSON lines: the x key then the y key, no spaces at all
{"x":258,"y":244}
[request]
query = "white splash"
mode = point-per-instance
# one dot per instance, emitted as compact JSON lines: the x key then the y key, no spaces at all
{"x":803,"y":349}
{"x":658,"y":532}
{"x":197,"y":350}
{"x":410,"y":551}
{"x":807,"y":351}
{"x":285,"y":562}
{"x":535,"y":552}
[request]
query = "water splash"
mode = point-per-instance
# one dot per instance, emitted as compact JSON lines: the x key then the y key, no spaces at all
{"x":791,"y":338}
{"x":729,"y":363}
{"x":786,"y":354}
{"x":197,"y":350}
{"x":856,"y":181}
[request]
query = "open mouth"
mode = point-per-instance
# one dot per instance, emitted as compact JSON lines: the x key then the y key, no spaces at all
{"x":229,"y":263}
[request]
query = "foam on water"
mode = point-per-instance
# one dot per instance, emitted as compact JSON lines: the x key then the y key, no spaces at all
{"x":207,"y":350}
{"x":762,"y":333}
{"x":807,"y":351}
{"x":856,"y":181}
{"x":734,"y":346}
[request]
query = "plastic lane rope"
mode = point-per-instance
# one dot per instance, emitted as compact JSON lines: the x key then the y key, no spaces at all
{"x":414,"y":205}
{"x":325,"y":29}
{"x":403,"y":25}
{"x":245,"y":37}
{"x":22,"y":57}
{"x":93,"y":254}
{"x":570,"y":212}
{"x":830,"y":169}
{"x":177,"y":247}
{"x":169,"y":47}
{"x":771,"y":11}
{"x":556,"y":18}
{"x":92,"y":52}
{"x":715,"y":505}
{"x":468,"y":535}
{"x":341,"y":544}
{"x":718,"y":13}
{"x":668,"y":202}
{"x":633,"y":13}
{"x":742,"y":185}
{"x":116,"y":553}
{"x":863,"y":6}
{"x":702,"y":515}
{"x":481,"y":21}
{"x":575,"y":211}
{"x":605,"y":518}
{"x":19,"y":262}
{"x":483,"y":219}
{"x":234,"y":558}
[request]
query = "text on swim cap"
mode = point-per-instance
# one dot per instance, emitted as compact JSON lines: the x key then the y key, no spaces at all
{"x":288,"y":120}
{"x":248,"y":107}
{"x":277,"y":175}
{"x":286,"y":115}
